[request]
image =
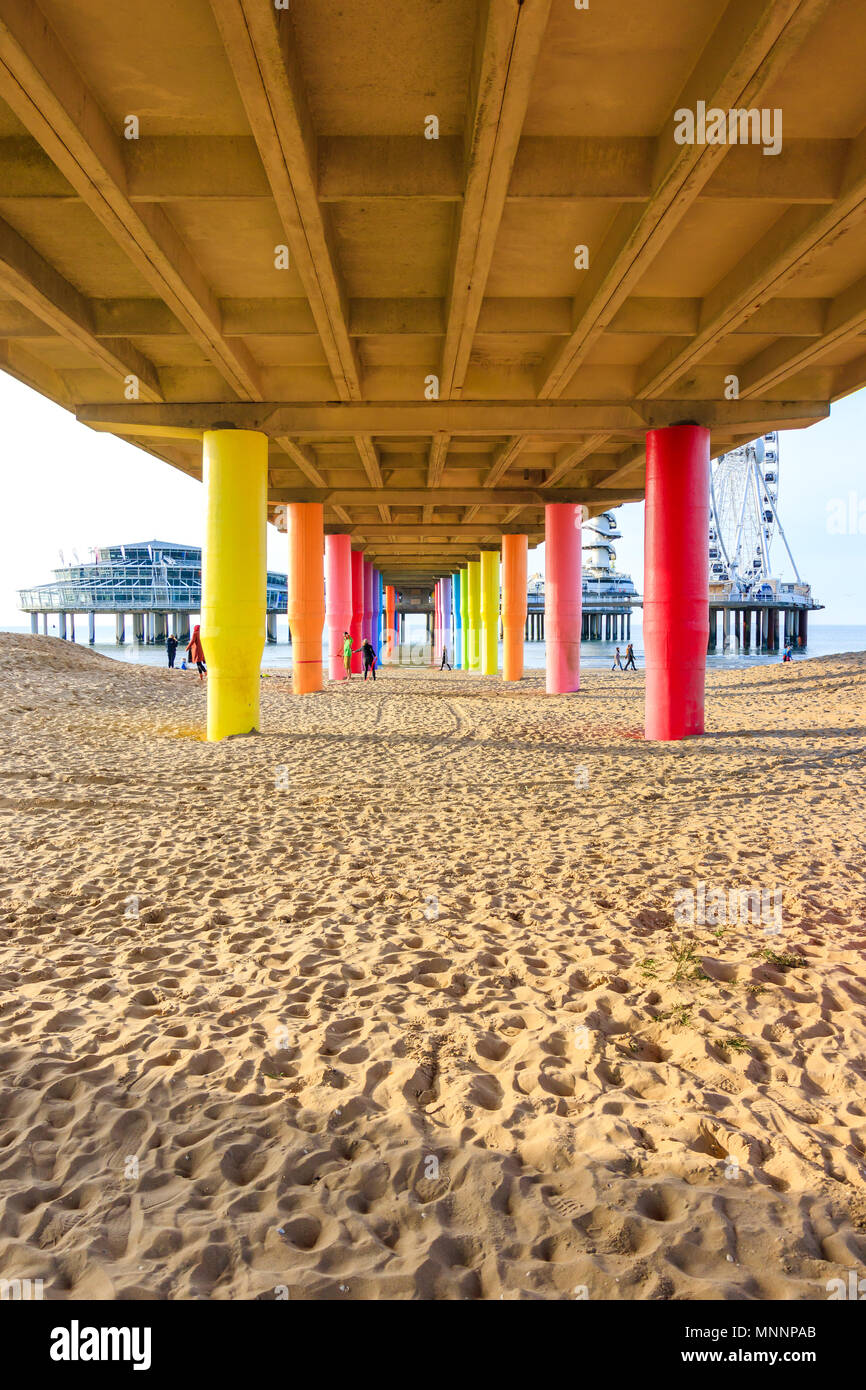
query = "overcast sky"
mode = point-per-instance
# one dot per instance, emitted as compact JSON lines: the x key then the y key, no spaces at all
{"x":67,"y":488}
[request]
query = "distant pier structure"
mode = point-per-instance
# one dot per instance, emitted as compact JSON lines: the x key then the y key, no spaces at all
{"x":155,"y":583}
{"x":750,"y":606}
{"x":608,"y":596}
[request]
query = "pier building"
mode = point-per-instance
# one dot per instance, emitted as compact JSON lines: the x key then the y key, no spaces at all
{"x":156,"y":584}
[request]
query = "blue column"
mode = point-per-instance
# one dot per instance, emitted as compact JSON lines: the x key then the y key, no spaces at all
{"x":458,"y":624}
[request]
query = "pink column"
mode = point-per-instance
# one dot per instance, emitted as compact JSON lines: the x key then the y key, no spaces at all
{"x":676,"y":579}
{"x":437,"y":656}
{"x":368,"y":600}
{"x":356,"y":628}
{"x":562,"y":596}
{"x":338,"y":599}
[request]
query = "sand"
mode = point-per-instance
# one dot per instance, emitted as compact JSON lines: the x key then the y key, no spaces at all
{"x":394,"y":1001}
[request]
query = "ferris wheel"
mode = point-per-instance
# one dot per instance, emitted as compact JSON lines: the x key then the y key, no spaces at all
{"x":744,"y":516}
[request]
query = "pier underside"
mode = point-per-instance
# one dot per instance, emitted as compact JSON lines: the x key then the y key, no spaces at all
{"x":451,"y":263}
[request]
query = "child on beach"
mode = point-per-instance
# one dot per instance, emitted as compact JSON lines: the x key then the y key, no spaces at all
{"x":617,"y":661}
{"x":195,"y":651}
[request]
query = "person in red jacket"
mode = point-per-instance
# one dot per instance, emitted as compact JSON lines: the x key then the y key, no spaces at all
{"x":195,"y":651}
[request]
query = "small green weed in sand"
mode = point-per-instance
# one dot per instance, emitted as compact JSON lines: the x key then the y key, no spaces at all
{"x":680,"y":1016}
{"x":733,"y":1044}
{"x":784,"y":959}
{"x":685,"y":960}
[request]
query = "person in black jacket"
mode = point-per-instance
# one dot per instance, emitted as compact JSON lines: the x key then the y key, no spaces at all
{"x":369,"y":658}
{"x":170,"y":650}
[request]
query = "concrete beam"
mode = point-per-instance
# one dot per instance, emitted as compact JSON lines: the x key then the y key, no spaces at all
{"x":354,"y":168}
{"x":508,"y":42}
{"x":555,"y":419}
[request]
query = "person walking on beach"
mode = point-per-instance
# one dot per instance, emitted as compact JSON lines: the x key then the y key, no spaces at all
{"x":629,"y":658}
{"x":347,"y":655}
{"x":171,"y":650}
{"x":445,"y":661}
{"x":369,"y":658}
{"x":617,"y":661}
{"x":195,"y":651}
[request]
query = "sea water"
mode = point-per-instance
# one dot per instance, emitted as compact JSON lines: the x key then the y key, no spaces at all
{"x":824,"y":640}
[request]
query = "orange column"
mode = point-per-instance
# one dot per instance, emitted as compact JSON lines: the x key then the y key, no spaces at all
{"x":515,"y":550}
{"x":306,"y":593}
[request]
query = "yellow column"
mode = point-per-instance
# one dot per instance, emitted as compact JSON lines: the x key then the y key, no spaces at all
{"x":489,"y":612}
{"x":234,"y":577}
{"x":475,"y":615}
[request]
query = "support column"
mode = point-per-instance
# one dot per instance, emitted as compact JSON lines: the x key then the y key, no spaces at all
{"x":182,"y":632}
{"x":367,"y":624}
{"x":515,"y":551}
{"x":475,"y":615}
{"x":357,"y":624}
{"x":306,"y":593}
{"x":45,"y":624}
{"x":390,"y":618}
{"x":726,"y":628}
{"x":159,"y":627}
{"x":271,"y":628}
{"x":119,"y":628}
{"x":91,"y":628}
{"x":628,"y":626}
{"x":234,"y":577}
{"x":338,"y":601}
{"x":34,"y":624}
{"x":747,"y":629}
{"x":464,"y":615}
{"x":458,"y":619}
{"x":71,"y":632}
{"x":489,"y":574}
{"x":676,"y":586}
{"x":445,"y":599}
{"x":804,"y":627}
{"x":562,"y":596}
{"x":377,"y":612}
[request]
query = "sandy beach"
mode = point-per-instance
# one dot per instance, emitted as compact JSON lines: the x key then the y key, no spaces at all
{"x":396,"y":1000}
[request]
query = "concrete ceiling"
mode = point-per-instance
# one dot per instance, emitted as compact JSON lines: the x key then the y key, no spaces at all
{"x":409,"y":258}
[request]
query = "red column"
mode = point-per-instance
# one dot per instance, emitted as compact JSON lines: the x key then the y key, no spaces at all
{"x":562,"y":595}
{"x":338,"y":599}
{"x":676,"y":580}
{"x":355,"y":630}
